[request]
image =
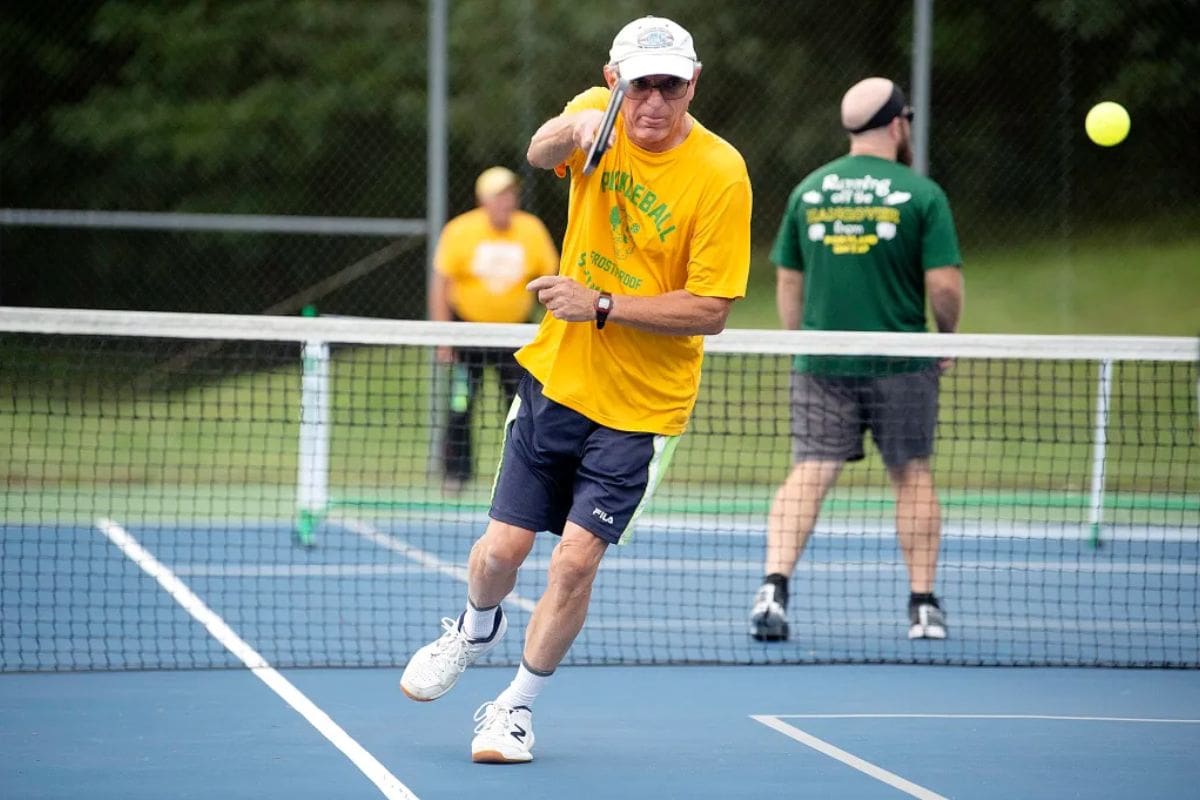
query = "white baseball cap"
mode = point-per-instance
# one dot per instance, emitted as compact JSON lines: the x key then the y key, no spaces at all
{"x":653,"y":46}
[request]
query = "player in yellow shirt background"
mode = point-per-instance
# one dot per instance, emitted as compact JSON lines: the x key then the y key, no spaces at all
{"x":484,"y":259}
{"x":656,"y":250}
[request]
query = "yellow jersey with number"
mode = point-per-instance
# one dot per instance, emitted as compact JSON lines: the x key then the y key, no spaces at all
{"x":488,"y":268}
{"x":643,"y":224}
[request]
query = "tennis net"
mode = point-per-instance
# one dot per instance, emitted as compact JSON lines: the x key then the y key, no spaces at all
{"x":287,"y":472}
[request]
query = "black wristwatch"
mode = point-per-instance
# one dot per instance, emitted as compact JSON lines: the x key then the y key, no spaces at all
{"x":604,"y":304}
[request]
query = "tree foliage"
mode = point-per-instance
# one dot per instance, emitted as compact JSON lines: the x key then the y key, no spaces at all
{"x":320,"y":107}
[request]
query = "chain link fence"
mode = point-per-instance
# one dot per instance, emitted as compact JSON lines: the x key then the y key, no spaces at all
{"x":265,"y":108}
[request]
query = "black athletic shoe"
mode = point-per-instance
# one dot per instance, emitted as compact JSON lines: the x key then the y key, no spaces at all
{"x":926,"y":621}
{"x":768,"y":618}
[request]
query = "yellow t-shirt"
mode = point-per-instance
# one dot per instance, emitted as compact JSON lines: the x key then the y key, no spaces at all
{"x":643,"y":224}
{"x":488,"y":268}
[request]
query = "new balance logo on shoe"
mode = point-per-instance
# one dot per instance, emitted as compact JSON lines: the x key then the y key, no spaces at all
{"x":503,"y":736}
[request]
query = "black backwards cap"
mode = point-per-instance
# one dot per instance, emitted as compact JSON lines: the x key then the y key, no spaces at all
{"x":893,"y":108}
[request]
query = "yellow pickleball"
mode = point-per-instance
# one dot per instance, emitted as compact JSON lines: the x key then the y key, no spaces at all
{"x":1107,"y":124}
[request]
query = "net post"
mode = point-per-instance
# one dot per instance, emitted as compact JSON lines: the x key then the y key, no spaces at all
{"x":312,"y":480}
{"x":1100,"y":444}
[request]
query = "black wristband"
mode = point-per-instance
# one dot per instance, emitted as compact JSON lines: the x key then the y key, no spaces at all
{"x":604,"y":304}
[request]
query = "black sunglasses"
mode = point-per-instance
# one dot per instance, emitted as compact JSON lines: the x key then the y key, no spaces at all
{"x":671,"y":88}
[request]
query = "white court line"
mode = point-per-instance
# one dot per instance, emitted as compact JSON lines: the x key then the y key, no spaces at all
{"x":378,"y":774}
{"x":740,"y":525}
{"x":422,"y":557}
{"x":293,"y":570}
{"x":637,"y":563}
{"x":775,"y":722}
{"x":849,"y":759}
{"x":981,"y":625}
{"x":990,"y":716}
{"x":629,"y":562}
{"x":724,"y":526}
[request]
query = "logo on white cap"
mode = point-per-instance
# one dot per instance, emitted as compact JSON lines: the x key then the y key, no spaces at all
{"x":655,"y":38}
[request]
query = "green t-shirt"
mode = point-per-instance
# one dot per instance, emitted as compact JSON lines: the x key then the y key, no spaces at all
{"x":863,"y":230}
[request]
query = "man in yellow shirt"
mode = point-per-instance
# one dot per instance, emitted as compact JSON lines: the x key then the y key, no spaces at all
{"x":482,"y":262}
{"x":656,"y":250}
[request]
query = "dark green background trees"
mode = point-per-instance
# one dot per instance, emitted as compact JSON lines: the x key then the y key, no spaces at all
{"x":273,"y":107}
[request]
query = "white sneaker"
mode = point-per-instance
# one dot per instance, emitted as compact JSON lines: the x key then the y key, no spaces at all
{"x":434,"y":669}
{"x":503,"y":736}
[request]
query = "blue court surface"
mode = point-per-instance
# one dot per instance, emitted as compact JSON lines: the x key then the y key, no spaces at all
{"x":88,"y":610}
{"x":687,"y":732}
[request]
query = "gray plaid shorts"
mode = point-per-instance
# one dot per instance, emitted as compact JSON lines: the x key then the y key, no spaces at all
{"x":831,"y":413}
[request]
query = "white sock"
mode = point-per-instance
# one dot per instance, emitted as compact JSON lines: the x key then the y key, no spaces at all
{"x":478,"y":623}
{"x":524,"y":688}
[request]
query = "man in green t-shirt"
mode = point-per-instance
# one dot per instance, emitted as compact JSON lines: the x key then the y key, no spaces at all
{"x":864,"y":241}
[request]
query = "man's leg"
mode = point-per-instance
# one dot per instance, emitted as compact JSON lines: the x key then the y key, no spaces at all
{"x":794,"y":512}
{"x":919,"y":529}
{"x":903,"y":420}
{"x":918,"y":522}
{"x":826,"y":428}
{"x":604,"y":476}
{"x":790,"y":522}
{"x":494,"y":561}
{"x":505,"y":731}
{"x":491,"y":574}
{"x":562,"y":608}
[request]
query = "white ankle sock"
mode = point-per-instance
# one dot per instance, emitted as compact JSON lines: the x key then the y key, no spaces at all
{"x":478,"y":623}
{"x":524,"y":688}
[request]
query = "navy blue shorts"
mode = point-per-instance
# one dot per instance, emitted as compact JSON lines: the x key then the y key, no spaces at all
{"x":558,"y":465}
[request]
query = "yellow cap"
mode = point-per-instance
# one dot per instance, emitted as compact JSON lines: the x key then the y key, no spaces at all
{"x":493,"y":181}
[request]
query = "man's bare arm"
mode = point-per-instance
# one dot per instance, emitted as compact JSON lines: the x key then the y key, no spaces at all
{"x":944,"y":286}
{"x":554,"y":142}
{"x":789,"y":297}
{"x":677,"y":313}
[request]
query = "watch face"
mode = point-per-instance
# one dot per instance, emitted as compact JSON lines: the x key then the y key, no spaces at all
{"x":604,"y":302}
